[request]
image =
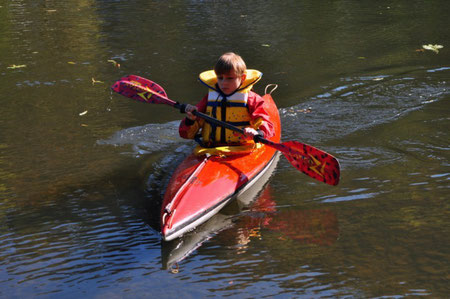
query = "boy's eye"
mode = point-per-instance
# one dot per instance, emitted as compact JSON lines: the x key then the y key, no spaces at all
{"x":222,"y":78}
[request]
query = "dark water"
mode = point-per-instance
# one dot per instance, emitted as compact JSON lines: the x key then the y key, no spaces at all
{"x":82,"y":171}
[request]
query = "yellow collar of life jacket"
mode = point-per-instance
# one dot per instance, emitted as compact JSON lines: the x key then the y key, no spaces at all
{"x":209,"y":79}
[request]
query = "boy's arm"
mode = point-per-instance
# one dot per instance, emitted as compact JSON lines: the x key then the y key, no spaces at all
{"x":189,"y":128}
{"x":259,"y":117}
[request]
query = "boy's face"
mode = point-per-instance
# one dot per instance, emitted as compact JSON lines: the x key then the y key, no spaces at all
{"x":229,"y":82}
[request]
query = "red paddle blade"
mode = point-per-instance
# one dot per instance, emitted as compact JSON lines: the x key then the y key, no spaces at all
{"x":312,"y":161}
{"x":141,"y":89}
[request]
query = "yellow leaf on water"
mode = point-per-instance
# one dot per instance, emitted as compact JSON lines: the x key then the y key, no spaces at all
{"x":174,"y":269}
{"x":434,"y":48}
{"x":115,"y":63}
{"x":265,"y":45}
{"x":96,"y":81}
{"x":83,"y":113}
{"x":12,"y":67}
{"x":71,"y":62}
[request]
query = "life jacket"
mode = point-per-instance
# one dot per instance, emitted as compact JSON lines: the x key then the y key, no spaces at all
{"x":232,"y":109}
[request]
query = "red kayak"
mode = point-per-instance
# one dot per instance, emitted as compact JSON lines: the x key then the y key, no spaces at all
{"x":204,"y":184}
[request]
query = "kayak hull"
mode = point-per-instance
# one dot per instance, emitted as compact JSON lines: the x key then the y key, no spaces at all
{"x":202,"y":185}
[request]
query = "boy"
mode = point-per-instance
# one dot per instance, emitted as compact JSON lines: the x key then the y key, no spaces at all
{"x":229,"y":99}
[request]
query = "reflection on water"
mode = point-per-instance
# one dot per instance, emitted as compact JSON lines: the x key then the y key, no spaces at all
{"x":256,"y":218}
{"x":79,"y":190}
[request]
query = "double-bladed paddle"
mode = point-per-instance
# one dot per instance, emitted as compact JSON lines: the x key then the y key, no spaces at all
{"x":308,"y":159}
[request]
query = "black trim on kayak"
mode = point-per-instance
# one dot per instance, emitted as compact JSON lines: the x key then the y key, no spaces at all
{"x":228,"y":198}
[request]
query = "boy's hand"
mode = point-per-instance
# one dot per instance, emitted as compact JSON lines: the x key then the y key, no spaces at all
{"x":189,"y":109}
{"x":250,"y":133}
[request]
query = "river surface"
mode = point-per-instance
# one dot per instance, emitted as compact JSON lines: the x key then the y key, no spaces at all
{"x":82,"y":171}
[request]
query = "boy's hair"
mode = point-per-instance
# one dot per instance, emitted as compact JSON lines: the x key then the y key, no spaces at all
{"x":230,"y":62}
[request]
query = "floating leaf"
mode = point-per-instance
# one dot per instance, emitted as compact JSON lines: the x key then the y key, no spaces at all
{"x":434,"y":48}
{"x":115,"y":63}
{"x":175,"y":269}
{"x":83,"y":113}
{"x":12,"y":67}
{"x":71,"y":62}
{"x":265,"y":45}
{"x":96,"y":81}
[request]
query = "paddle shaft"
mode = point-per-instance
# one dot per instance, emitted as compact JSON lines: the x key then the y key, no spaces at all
{"x":210,"y":119}
{"x":215,"y":121}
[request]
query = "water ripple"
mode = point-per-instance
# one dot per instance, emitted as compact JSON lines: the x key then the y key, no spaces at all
{"x":361,"y":103}
{"x":146,"y":139}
